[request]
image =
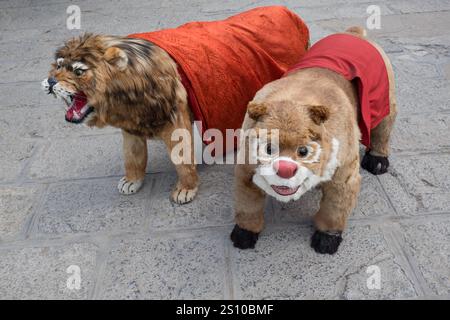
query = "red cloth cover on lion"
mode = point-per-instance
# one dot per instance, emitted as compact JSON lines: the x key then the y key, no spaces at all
{"x":355,"y":59}
{"x":224,"y":63}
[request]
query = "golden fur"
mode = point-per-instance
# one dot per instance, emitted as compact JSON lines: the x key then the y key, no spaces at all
{"x":318,"y":107}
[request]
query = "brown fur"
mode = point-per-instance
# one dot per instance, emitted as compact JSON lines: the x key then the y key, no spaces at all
{"x":307,"y":105}
{"x":132,"y":85}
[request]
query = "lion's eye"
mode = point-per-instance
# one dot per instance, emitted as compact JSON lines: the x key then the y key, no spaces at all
{"x":78,"y":72}
{"x":302,"y":151}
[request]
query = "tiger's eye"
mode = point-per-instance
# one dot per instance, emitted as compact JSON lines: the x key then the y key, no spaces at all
{"x":78,"y":72}
{"x":302,"y":151}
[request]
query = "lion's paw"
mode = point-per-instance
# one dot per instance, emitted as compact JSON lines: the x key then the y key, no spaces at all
{"x":183,"y":195}
{"x":129,"y":187}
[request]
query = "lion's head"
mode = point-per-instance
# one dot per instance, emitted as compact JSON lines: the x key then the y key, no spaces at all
{"x":74,"y":73}
{"x":301,"y":155}
{"x":109,"y":80}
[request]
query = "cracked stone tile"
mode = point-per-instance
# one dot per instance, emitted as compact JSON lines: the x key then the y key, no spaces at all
{"x":16,"y":204}
{"x":418,"y":184}
{"x":371,"y":203}
{"x":94,"y":156}
{"x":283,"y":266}
{"x":41,"y":272}
{"x":183,"y":268}
{"x":428,"y":242}
{"x":92,"y":206}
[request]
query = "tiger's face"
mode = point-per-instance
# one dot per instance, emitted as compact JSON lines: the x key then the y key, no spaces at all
{"x":300,"y":157}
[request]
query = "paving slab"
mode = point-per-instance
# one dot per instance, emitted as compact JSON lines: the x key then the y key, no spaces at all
{"x":397,"y":25}
{"x":415,"y":6}
{"x":428,"y":242}
{"x":283,"y":266}
{"x":181,"y":268}
{"x":46,"y":121}
{"x":41,"y":272}
{"x":16,"y":95}
{"x":342,"y":11}
{"x":14,"y":154}
{"x":92,"y":206}
{"x":430,"y":132}
{"x":423,"y":96}
{"x":33,"y":70}
{"x":98,"y":156}
{"x":418,"y":184}
{"x":16,"y":209}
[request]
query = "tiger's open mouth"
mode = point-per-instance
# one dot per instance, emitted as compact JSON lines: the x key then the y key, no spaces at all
{"x":284,"y":191}
{"x":78,"y":107}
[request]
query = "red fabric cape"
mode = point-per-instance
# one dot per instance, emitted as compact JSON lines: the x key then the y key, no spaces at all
{"x":355,"y":59}
{"x":224,"y":63}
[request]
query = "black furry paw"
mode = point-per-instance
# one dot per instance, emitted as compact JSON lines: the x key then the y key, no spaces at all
{"x":323,"y":242}
{"x":375,"y":164}
{"x":243,"y":239}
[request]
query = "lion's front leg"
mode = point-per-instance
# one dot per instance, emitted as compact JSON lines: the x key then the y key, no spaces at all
{"x":179,"y":140}
{"x":338,"y":201}
{"x":135,"y":154}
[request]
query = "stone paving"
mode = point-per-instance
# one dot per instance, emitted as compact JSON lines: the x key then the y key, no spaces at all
{"x":59,"y":206}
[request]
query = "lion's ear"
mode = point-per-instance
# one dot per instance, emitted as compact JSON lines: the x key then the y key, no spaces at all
{"x":116,"y":57}
{"x":318,"y":114}
{"x":256,"y":110}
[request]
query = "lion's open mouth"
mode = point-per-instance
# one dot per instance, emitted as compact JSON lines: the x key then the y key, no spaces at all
{"x":284,"y":191}
{"x":78,"y":108}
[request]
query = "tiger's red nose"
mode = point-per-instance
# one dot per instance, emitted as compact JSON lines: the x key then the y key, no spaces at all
{"x":285,"y":169}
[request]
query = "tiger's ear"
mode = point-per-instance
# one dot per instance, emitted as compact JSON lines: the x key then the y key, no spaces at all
{"x":116,"y":57}
{"x":318,"y":114}
{"x":256,"y":110}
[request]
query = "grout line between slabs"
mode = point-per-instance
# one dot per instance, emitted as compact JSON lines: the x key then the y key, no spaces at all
{"x":397,"y":246}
